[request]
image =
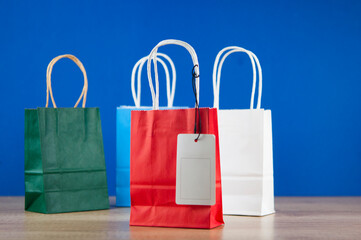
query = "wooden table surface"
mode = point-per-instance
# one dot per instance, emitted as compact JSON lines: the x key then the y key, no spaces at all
{"x":295,"y":218}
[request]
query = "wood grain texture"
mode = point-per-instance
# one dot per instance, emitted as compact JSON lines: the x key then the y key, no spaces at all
{"x":296,"y":218}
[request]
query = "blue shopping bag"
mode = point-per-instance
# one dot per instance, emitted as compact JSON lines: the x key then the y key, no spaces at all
{"x":123,"y":128}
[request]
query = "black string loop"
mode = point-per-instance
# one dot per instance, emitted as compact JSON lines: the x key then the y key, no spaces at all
{"x":197,"y":116}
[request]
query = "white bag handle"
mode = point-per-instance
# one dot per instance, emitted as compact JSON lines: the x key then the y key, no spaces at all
{"x":153,"y":53}
{"x":139,"y":66}
{"x":217,"y":74}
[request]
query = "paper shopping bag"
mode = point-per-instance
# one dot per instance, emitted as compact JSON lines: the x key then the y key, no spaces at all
{"x":64,"y":156}
{"x":153,"y":166}
{"x":123,"y":127}
{"x":246,"y":149}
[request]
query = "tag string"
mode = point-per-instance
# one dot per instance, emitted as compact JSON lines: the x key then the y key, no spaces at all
{"x":197,"y":116}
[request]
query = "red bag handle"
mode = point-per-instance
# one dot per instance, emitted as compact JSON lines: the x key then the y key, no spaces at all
{"x":153,"y":53}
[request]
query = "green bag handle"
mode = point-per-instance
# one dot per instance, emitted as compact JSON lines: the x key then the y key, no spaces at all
{"x":48,"y":80}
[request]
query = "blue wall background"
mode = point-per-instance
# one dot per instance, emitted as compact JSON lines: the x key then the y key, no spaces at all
{"x":310,"y":53}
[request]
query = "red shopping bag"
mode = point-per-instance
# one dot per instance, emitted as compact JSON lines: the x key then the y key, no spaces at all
{"x":153,"y":160}
{"x":153,"y":169}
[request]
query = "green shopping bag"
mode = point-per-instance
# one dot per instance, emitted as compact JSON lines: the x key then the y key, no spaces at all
{"x":64,"y":156}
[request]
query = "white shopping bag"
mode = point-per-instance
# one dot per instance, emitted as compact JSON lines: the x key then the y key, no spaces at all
{"x":245,"y":137}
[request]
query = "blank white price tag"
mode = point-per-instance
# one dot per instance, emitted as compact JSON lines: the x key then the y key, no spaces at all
{"x":196,"y":170}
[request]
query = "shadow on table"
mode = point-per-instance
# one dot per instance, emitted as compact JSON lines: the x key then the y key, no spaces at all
{"x":174,"y":233}
{"x":236,"y":227}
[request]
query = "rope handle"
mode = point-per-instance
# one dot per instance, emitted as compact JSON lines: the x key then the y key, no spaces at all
{"x":139,"y":67}
{"x":48,"y":80}
{"x":153,"y":53}
{"x":217,"y":74}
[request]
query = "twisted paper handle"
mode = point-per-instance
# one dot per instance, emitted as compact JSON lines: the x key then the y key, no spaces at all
{"x":152,"y":56}
{"x":218,"y":63}
{"x":48,"y":80}
{"x":139,"y":66}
